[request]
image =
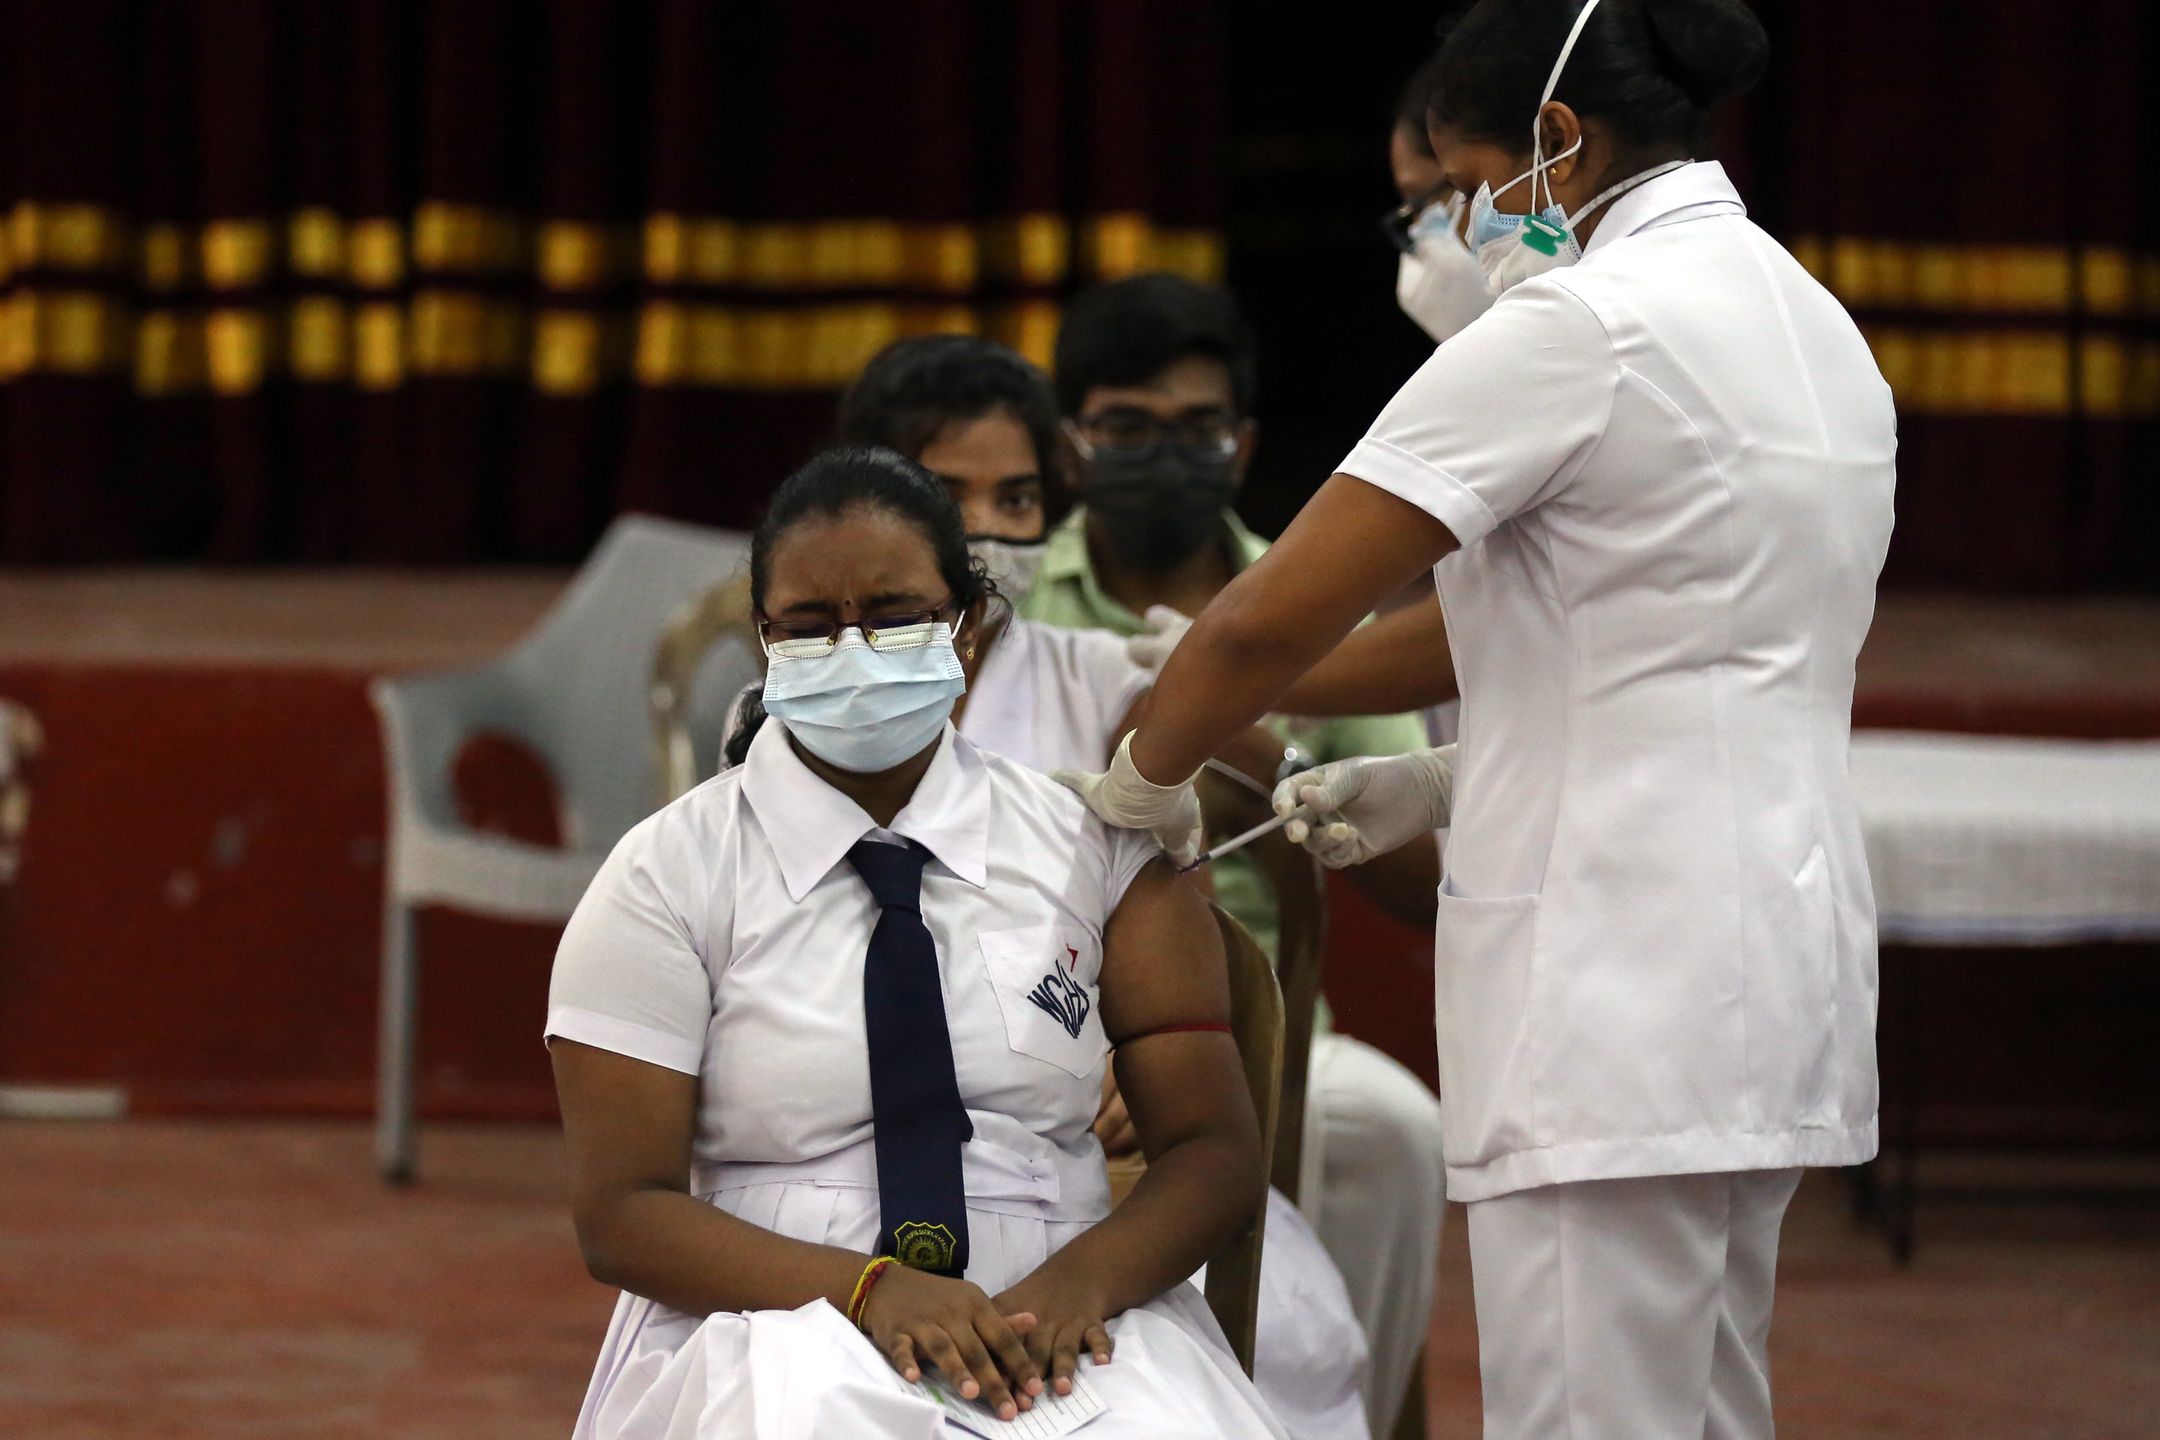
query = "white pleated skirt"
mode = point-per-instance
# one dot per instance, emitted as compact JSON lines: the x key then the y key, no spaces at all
{"x":809,"y":1375}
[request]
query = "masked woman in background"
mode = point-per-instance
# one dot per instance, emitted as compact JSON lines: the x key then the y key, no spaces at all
{"x":829,"y":1035}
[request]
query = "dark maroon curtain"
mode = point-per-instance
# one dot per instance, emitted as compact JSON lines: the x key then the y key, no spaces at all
{"x":398,"y":281}
{"x":1979,"y":183}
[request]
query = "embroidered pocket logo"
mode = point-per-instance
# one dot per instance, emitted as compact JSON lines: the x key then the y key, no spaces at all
{"x":1063,"y":1000}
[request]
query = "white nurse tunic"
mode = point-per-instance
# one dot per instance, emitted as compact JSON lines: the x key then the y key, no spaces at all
{"x":724,"y":938}
{"x":1670,"y":467}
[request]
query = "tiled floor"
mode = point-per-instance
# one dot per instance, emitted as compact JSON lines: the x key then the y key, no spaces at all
{"x":167,"y":1279}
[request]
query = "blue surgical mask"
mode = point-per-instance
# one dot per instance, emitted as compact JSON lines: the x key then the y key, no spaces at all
{"x":866,"y":708}
{"x":1507,"y":252}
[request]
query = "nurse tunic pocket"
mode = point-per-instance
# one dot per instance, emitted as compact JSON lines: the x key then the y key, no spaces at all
{"x":1485,"y":962}
{"x":1047,"y":992}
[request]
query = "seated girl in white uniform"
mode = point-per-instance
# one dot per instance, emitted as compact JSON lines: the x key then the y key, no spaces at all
{"x":983,"y":420}
{"x":829,"y":1035}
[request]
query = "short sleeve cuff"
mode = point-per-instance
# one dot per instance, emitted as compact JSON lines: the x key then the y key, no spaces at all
{"x":1393,"y":469}
{"x":1130,"y":852}
{"x":625,"y":1037}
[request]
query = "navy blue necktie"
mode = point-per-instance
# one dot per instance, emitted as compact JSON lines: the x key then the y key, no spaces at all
{"x":914,"y":1095}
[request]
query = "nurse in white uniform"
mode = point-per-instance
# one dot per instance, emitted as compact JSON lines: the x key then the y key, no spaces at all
{"x":981,"y":419}
{"x":1656,"y":479}
{"x":829,"y":1035}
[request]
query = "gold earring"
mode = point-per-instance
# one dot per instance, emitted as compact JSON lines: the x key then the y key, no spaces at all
{"x":971,"y":652}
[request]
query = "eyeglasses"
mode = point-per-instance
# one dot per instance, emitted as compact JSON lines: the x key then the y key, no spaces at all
{"x":808,"y":639}
{"x":1397,"y":222}
{"x":1140,"y":434}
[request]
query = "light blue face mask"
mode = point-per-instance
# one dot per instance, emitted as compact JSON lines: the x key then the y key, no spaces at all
{"x":866,"y":708}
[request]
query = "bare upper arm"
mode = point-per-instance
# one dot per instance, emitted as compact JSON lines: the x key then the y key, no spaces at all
{"x":1163,"y":966}
{"x":628,"y":1124}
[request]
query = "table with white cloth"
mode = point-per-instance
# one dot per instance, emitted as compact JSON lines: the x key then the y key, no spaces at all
{"x":1996,"y":841}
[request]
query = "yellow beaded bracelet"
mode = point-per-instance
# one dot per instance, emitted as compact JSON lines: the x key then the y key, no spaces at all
{"x":864,"y":1284}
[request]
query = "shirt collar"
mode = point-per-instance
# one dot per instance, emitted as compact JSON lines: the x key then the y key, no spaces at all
{"x":1688,"y":193}
{"x":811,"y":826}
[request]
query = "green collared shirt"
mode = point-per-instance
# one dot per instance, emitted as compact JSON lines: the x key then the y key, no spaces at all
{"x":1067,"y":594}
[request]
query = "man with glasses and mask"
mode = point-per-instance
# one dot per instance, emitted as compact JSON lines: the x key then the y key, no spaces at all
{"x":1155,"y":378}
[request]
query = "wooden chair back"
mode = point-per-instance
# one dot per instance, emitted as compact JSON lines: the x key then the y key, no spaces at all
{"x":1256,"y":1021}
{"x":1300,"y":887}
{"x":721,"y":611}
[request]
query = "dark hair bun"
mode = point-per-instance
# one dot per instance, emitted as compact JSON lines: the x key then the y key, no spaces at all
{"x":1712,"y":48}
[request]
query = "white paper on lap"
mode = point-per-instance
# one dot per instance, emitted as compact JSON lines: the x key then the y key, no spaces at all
{"x":1049,"y":1417}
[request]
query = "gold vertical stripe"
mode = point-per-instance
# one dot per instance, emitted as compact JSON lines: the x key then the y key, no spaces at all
{"x":1033,"y":249}
{"x":378,"y":352}
{"x":566,"y":352}
{"x":1115,"y":246}
{"x":167,"y":255}
{"x":1031,"y":328}
{"x":320,"y":339}
{"x":236,"y":253}
{"x":238,"y":345}
{"x":157,"y":357}
{"x":376,"y":251}
{"x":575,"y":255}
{"x":315,"y":243}
{"x":18,"y":334}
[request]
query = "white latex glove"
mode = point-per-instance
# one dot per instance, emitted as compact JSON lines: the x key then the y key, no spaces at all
{"x":1152,"y":646}
{"x":1124,"y":797}
{"x":1351,"y":810}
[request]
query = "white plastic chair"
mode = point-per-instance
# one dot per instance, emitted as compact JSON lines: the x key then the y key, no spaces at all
{"x":574,"y":689}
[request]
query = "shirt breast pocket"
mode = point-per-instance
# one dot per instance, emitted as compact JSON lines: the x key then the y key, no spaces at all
{"x":1046,"y":988}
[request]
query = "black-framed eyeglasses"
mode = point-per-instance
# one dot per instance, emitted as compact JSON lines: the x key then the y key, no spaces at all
{"x":811,"y":637}
{"x":1396,"y":223}
{"x":1141,"y":435}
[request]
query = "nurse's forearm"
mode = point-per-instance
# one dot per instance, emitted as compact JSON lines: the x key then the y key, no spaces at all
{"x":1398,"y":662}
{"x":671,"y":1247}
{"x":1350,"y":548}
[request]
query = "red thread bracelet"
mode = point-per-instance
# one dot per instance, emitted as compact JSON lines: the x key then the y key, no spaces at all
{"x":1202,"y":1027}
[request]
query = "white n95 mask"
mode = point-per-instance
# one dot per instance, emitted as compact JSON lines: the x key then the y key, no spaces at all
{"x":1013,"y":564}
{"x":1438,"y":282}
{"x":1514,"y":248}
{"x":867,"y":708}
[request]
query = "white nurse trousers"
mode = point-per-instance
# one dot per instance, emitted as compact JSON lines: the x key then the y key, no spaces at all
{"x":1629,"y":1309}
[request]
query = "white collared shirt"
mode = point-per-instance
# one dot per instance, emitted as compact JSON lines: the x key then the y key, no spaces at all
{"x":1670,"y":467}
{"x":1052,"y":698}
{"x":725,"y":938}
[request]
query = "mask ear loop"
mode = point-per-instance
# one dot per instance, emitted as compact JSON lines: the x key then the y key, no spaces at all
{"x":1537,"y":128}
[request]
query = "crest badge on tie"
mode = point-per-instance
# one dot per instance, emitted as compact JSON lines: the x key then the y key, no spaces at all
{"x":920,"y":1245}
